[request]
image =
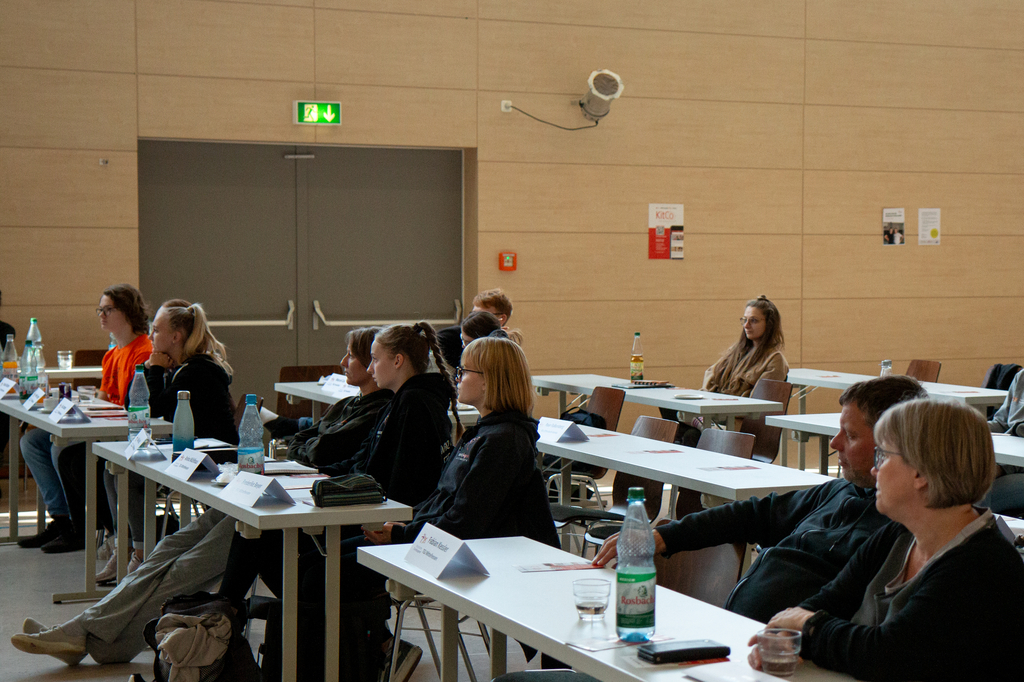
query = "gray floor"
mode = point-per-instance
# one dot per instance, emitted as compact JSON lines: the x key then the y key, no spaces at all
{"x":28,"y":577}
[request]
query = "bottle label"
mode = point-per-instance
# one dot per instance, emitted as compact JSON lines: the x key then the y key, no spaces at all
{"x":251,"y":460}
{"x":138,"y":418}
{"x":636,"y":370}
{"x":635,"y":595}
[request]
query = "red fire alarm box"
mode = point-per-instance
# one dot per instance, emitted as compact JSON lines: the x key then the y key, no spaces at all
{"x":507,"y":261}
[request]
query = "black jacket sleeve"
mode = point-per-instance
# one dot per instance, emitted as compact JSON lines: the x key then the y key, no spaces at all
{"x":763,"y":521}
{"x":964,"y":621}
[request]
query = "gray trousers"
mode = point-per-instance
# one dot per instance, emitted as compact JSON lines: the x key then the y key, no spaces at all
{"x":191,"y":560}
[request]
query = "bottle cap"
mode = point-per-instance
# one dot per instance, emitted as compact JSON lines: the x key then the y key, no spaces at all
{"x":184,"y":395}
{"x":32,"y":320}
{"x":140,"y":368}
{"x":28,"y":343}
{"x":635,"y":494}
{"x":636,"y":333}
{"x":250,"y":398}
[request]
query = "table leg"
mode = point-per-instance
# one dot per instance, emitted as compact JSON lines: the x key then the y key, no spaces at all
{"x":124,"y":546}
{"x":785,"y":447}
{"x":13,"y":476}
{"x":802,"y":446}
{"x":449,"y":644}
{"x":823,"y":455}
{"x":564,"y":498}
{"x":563,"y":402}
{"x":290,"y":606}
{"x":186,"y":510}
{"x":499,"y":650}
{"x":40,"y":511}
{"x":149,"y":535}
{"x":91,"y":486}
{"x":730,"y":422}
{"x":332,"y":625}
{"x":317,"y":407}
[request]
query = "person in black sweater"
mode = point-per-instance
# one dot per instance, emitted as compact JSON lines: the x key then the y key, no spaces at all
{"x":940,"y":597}
{"x":186,"y":357}
{"x":491,"y":486}
{"x":404,"y":452}
{"x":809,"y":535}
{"x":345,"y":425}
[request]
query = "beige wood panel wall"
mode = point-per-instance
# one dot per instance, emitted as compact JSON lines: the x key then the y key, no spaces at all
{"x":784,"y":128}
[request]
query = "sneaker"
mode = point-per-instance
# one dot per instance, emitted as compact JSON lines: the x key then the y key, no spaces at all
{"x":53,"y":642}
{"x":57,"y":527}
{"x":109,"y":572}
{"x":105,"y":548}
{"x":31,"y":626}
{"x":408,"y":658}
{"x":65,"y":542}
{"x":133,"y":563}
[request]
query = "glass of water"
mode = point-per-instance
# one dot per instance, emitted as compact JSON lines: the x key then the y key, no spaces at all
{"x":65,"y":359}
{"x":591,"y":596}
{"x":780,"y":651}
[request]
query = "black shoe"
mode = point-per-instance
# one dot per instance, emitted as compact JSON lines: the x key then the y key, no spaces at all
{"x":65,"y":542}
{"x":59,"y":526}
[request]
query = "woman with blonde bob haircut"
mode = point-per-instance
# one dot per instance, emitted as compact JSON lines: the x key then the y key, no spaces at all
{"x":939,"y":593}
{"x":505,"y":371}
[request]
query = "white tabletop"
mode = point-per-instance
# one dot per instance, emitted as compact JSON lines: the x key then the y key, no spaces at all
{"x":730,"y":477}
{"x":708,"y":404}
{"x":311,"y":390}
{"x":94,"y":430}
{"x":83,"y":372}
{"x":268,"y":514}
{"x":1009,"y":449}
{"x":970,"y":395}
{"x":537,"y":609}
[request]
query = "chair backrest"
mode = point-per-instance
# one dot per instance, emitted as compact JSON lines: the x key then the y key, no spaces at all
{"x":655,"y":429}
{"x":302,"y":408}
{"x":707,"y":574}
{"x":766,"y":443}
{"x":924,"y":370}
{"x":88,"y":358}
{"x":607,"y":402}
{"x":732,"y":443}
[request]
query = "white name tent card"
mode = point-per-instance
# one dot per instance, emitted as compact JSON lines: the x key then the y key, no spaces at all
{"x":59,"y":412}
{"x":247,"y":488}
{"x":188,"y":463}
{"x":6,"y":385}
{"x":560,"y":431}
{"x":35,"y":398}
{"x":338,"y":386}
{"x":442,"y":554}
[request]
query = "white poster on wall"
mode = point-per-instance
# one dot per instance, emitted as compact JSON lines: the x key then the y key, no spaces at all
{"x":929,"y":226}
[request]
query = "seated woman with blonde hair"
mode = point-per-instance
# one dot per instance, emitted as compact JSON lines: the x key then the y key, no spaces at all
{"x":938,"y":595}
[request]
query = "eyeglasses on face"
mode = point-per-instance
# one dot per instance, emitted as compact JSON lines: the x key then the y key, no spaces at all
{"x":882,"y":455}
{"x":105,"y":310}
{"x":460,"y":372}
{"x":751,"y":320}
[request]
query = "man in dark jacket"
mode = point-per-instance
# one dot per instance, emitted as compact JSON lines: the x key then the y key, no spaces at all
{"x":808,"y":536}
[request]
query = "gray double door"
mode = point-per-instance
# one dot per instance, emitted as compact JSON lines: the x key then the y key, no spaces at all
{"x":288,"y":248}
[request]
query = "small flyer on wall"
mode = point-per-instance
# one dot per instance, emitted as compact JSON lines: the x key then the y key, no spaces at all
{"x":892,"y":226}
{"x":665,"y":231}
{"x":929,"y":228}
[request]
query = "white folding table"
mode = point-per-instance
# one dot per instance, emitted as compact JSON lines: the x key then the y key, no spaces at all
{"x":267,"y":515}
{"x":712,"y":405}
{"x":537,"y":609}
{"x":62,"y":434}
{"x":83,"y":372}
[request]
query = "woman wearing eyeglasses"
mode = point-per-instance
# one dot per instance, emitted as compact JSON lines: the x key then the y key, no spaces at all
{"x":938,"y":595}
{"x":122,"y":313}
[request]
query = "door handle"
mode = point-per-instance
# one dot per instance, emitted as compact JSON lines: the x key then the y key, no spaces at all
{"x":319,"y":318}
{"x":288,"y":321}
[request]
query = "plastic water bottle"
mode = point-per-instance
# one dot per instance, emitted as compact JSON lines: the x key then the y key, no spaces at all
{"x":42,"y":378}
{"x":28,"y":380}
{"x":10,"y":359}
{"x":250,"y":438}
{"x":138,"y":403}
{"x":635,"y":574}
{"x":183,"y":434}
{"x":886,"y":368}
{"x":33,"y":332}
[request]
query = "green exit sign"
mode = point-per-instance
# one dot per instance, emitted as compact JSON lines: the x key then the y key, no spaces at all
{"x":317,"y":113}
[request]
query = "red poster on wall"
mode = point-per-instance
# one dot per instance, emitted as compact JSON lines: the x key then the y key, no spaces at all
{"x":658,"y":245}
